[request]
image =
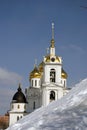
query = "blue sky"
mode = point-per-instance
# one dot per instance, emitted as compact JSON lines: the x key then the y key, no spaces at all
{"x":25,"y":33}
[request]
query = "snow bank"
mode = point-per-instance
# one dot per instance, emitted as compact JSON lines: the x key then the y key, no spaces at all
{"x":68,"y":113}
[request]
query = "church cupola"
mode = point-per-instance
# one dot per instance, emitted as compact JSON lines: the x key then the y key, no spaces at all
{"x":35,"y":76}
{"x":19,"y":97}
{"x":35,"y":73}
{"x":18,"y":106}
{"x":64,"y":74}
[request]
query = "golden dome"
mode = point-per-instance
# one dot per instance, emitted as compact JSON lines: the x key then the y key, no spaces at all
{"x":57,"y":59}
{"x":47,"y":58}
{"x":64,"y":74}
{"x":35,"y":73}
{"x":41,"y":67}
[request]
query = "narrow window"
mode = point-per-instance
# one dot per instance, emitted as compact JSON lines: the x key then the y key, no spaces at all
{"x":52,"y":75}
{"x":34,"y":105}
{"x":17,"y":118}
{"x":32,"y":82}
{"x":39,"y":82}
{"x":12,"y":106}
{"x":35,"y":82}
{"x":61,"y":81}
{"x":18,"y":106}
{"x":64,"y":83}
{"x":52,"y":96}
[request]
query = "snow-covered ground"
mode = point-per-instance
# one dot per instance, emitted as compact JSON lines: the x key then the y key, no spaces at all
{"x":68,"y":113}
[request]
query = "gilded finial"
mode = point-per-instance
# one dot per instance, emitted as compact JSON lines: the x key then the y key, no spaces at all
{"x":52,"y":30}
{"x":35,"y":64}
{"x":52,"y":41}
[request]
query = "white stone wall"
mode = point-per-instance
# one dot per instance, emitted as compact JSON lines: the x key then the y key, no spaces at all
{"x":18,"y":107}
{"x":14,"y":117}
{"x":17,"y":111}
{"x":46,"y":94}
{"x":33,"y":98}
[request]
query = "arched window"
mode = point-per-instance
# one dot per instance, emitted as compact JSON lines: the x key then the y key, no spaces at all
{"x":12,"y":106}
{"x":64,"y":83}
{"x":32,"y":82}
{"x":18,"y":106}
{"x":52,"y":95}
{"x":17,"y":118}
{"x":34,"y":105}
{"x":24,"y":106}
{"x":35,"y":82}
{"x":52,"y":75}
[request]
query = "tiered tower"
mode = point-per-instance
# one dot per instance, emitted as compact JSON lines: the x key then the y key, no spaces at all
{"x":48,"y":80}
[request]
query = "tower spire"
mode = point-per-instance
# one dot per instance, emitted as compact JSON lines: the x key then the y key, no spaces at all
{"x":52,"y":40}
{"x":35,"y":64}
{"x":52,"y":30}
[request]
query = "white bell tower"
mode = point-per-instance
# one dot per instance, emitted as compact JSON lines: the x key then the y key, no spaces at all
{"x":48,"y":79}
{"x":52,"y":86}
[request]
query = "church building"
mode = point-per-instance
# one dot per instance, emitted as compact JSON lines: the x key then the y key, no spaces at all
{"x":17,"y":106}
{"x":48,"y":80}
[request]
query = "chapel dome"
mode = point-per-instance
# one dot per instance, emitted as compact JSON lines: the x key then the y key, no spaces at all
{"x":35,"y":73}
{"x":64,"y":74}
{"x":49,"y":58}
{"x":19,"y":97}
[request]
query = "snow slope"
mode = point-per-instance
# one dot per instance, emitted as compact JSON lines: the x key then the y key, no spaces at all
{"x":68,"y":113}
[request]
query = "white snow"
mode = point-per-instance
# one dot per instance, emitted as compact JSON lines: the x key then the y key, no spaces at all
{"x":68,"y":113}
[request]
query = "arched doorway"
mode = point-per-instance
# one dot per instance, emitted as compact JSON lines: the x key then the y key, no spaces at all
{"x":52,"y":96}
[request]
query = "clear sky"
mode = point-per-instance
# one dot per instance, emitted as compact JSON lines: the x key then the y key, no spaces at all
{"x":25,"y":33}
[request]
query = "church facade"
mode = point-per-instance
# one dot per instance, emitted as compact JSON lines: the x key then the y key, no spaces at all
{"x":48,"y":80}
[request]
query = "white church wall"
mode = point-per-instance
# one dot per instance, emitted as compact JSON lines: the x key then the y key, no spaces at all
{"x":18,"y":107}
{"x":46,"y":94}
{"x":14,"y":117}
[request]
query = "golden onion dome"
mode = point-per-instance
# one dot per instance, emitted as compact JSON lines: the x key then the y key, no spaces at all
{"x":47,"y":58}
{"x":35,"y":73}
{"x":64,"y":74}
{"x":52,"y":59}
{"x":41,"y":67}
{"x":57,"y":59}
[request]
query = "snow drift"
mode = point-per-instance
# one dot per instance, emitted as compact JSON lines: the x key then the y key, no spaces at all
{"x":68,"y":113}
